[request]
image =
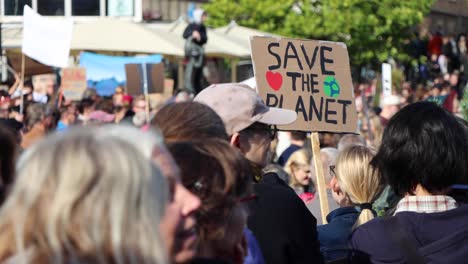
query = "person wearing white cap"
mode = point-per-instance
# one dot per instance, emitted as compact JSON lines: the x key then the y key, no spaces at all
{"x":391,"y":105}
{"x":282,"y":224}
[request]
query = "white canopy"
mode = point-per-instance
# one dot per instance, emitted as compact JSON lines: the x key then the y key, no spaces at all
{"x":240,"y":35}
{"x":107,"y":35}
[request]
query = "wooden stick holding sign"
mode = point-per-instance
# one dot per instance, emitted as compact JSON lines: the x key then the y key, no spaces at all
{"x":22,"y":84}
{"x":312,"y":78}
{"x":320,"y":177}
{"x":145,"y":91}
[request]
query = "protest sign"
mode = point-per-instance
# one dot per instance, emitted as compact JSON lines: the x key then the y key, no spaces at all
{"x":310,"y":77}
{"x":136,"y":80}
{"x":46,"y":40}
{"x":73,"y":83}
{"x":386,"y":79}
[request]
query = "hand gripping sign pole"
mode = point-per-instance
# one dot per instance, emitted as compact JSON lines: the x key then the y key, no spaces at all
{"x":313,"y":78}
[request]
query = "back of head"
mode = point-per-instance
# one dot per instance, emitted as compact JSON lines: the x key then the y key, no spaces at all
{"x":298,"y":135}
{"x":350,"y":139}
{"x":425,"y":145}
{"x":90,"y":195}
{"x":219,"y":175}
{"x":89,"y":93}
{"x":36,"y":113}
{"x":189,"y":121}
{"x":358,"y":179}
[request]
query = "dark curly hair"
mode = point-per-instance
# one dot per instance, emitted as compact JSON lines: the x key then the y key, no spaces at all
{"x":423,"y":144}
{"x":219,"y":175}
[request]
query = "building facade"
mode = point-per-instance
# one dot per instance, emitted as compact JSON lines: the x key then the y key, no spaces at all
{"x":447,"y":17}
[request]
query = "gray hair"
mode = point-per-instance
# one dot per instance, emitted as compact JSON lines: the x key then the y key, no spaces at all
{"x":328,"y":156}
{"x":84,"y":191}
{"x":350,"y":139}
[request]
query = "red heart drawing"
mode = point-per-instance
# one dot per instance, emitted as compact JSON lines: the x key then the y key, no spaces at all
{"x":274,"y":79}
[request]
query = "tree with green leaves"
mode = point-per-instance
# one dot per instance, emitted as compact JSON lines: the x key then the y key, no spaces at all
{"x":373,"y":30}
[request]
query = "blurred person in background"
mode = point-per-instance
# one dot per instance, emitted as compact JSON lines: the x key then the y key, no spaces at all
{"x":298,"y":168}
{"x":391,"y":105}
{"x":39,"y":122}
{"x":350,"y":139}
{"x":68,"y":116}
{"x":436,"y":95}
{"x":355,"y":185}
{"x":298,"y":139}
{"x":85,"y":108}
{"x":73,"y":203}
{"x":196,"y":37}
{"x":4,"y":104}
{"x":451,"y":102}
{"x":220,"y":177}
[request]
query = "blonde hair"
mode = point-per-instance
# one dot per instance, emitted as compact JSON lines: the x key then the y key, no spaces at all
{"x":357,"y":179}
{"x":81,"y":197}
{"x":299,"y":158}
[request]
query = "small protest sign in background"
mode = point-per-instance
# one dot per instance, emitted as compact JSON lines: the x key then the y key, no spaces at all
{"x":387,"y":79}
{"x":135,"y":79}
{"x":73,"y":82}
{"x":310,"y":77}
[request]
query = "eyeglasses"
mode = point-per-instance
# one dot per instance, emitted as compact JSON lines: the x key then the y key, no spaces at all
{"x":332,"y":170}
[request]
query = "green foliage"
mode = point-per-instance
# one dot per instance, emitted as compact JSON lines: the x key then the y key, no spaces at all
{"x":372,"y":29}
{"x":464,"y":105}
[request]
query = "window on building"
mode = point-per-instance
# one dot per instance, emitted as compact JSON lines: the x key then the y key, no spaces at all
{"x":86,"y":7}
{"x":15,"y":7}
{"x":51,"y":7}
{"x":120,"y":8}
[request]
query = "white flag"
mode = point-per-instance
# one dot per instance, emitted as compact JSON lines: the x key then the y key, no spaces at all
{"x":46,"y":40}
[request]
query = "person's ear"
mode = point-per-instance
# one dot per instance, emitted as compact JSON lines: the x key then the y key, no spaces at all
{"x":235,"y":140}
{"x":334,"y":185}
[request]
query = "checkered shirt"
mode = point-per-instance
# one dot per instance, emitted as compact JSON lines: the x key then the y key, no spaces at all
{"x":426,"y":204}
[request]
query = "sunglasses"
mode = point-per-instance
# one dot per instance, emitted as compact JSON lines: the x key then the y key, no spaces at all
{"x":271,"y":131}
{"x":332,"y":170}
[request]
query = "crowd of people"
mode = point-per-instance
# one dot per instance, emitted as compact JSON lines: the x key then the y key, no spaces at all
{"x":103,"y":180}
{"x":211,"y":180}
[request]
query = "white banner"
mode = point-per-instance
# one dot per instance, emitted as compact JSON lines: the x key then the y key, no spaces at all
{"x":386,"y":79}
{"x":46,"y":40}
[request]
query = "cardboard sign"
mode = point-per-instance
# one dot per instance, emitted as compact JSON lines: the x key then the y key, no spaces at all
{"x":135,"y":78}
{"x":73,"y":83}
{"x":310,"y":77}
{"x":387,"y":79}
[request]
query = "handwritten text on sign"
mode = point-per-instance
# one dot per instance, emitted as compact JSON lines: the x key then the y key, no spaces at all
{"x":311,"y":77}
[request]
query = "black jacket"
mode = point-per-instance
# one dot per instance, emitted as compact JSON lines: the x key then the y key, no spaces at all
{"x":282,"y":224}
{"x":196,"y":27}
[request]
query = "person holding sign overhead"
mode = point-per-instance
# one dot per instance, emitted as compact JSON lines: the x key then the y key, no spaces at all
{"x":284,"y":228}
